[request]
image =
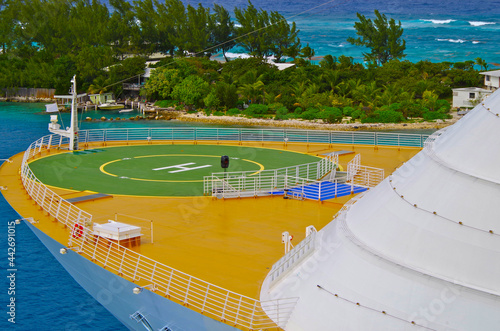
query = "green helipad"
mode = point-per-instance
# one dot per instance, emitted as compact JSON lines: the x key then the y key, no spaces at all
{"x":155,"y":170}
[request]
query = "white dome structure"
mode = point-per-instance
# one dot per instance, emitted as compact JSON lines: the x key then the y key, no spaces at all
{"x":421,"y":251}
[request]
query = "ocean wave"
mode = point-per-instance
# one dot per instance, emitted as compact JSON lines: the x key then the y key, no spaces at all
{"x":440,"y":21}
{"x":233,"y":55}
{"x":479,"y":23}
{"x":456,"y":41}
{"x":237,"y":55}
{"x":338,"y":45}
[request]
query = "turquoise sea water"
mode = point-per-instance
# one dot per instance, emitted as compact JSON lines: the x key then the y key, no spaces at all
{"x":435,"y":30}
{"x":47,"y":298}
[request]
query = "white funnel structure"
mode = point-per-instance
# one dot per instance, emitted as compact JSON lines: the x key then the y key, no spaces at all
{"x":420,"y":251}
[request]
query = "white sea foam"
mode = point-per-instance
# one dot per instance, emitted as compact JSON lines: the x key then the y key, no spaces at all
{"x":476,"y":42}
{"x":440,"y":21}
{"x":232,"y":55}
{"x":479,"y":23}
{"x":237,"y":55}
{"x":338,"y":45}
{"x":456,"y":41}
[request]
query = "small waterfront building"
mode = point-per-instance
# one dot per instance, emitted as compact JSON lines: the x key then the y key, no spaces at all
{"x":101,"y":98}
{"x":132,"y":90}
{"x":491,"y":79}
{"x":469,"y":97}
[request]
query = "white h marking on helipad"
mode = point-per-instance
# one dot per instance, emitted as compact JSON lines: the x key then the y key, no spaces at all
{"x":182,"y":167}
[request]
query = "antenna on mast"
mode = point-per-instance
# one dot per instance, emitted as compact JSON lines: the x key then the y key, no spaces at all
{"x":72,"y":131}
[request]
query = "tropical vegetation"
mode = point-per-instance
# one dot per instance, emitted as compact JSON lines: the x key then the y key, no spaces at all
{"x":43,"y":43}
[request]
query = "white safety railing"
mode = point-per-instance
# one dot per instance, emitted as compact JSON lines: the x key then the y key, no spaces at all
{"x":353,"y":167}
{"x":365,"y":176}
{"x":209,"y":299}
{"x":305,"y":248}
{"x":240,"y":187}
{"x":240,"y":135}
{"x":48,"y":200}
{"x":197,"y":294}
{"x":368,"y":176}
{"x":254,"y":135}
{"x":265,"y":182}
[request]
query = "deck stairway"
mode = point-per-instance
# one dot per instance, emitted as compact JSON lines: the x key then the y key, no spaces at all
{"x":321,"y":191}
{"x":316,"y":181}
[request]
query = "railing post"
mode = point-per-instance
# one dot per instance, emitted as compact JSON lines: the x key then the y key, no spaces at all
{"x":107,"y":254}
{"x":237,"y":312}
{"x":169,"y":281}
{"x":136,"y":267}
{"x":151,"y":279}
{"x":187,"y":290}
{"x":121,"y":262}
{"x":223,"y":316}
{"x":252,"y":316}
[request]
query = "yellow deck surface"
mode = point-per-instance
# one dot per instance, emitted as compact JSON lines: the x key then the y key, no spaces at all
{"x":231,"y":243}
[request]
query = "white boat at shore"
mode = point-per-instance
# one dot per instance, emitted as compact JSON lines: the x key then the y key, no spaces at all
{"x":111,"y":106}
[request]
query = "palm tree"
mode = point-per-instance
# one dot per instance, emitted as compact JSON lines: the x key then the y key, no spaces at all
{"x":429,"y":99}
{"x":299,"y":89}
{"x":98,"y":86}
{"x":332,"y":78}
{"x":251,"y":91}
{"x":307,"y":52}
{"x":367,"y":94}
{"x":482,"y":63}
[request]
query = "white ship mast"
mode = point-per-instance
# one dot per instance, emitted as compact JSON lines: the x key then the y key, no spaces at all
{"x":72,"y":131}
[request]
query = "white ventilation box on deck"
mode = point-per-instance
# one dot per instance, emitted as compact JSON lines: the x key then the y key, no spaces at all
{"x":122,"y":233}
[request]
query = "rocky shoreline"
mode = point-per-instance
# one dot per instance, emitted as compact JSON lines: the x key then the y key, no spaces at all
{"x":314,"y":125}
{"x":200,"y":117}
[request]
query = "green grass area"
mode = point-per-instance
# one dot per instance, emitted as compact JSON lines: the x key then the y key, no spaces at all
{"x":155,"y":170}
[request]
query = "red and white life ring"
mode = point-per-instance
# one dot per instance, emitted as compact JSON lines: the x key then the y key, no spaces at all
{"x":77,"y":230}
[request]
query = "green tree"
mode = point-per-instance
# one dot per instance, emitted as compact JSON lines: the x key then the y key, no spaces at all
{"x":222,"y":30}
{"x":331,"y":115}
{"x":284,"y":40}
{"x":226,"y":93}
{"x":252,"y":91}
{"x":148,"y":21}
{"x":482,"y":63}
{"x":382,"y":36}
{"x":307,"y":52}
{"x":211,"y":101}
{"x":85,"y":32}
{"x":328,"y":62}
{"x":196,"y":35}
{"x":7,"y":25}
{"x":122,"y":27}
{"x":172,"y":26}
{"x":252,"y":35}
{"x":161,"y":83}
{"x":190,"y":91}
